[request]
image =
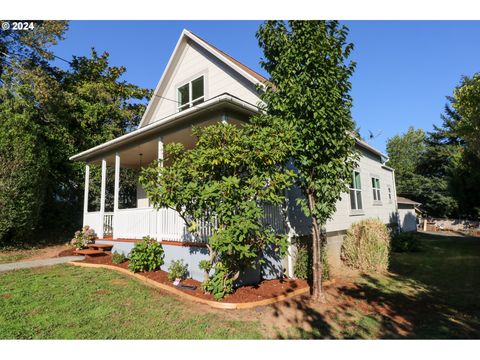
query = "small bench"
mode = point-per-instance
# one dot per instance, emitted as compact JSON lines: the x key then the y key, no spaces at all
{"x":100,"y":246}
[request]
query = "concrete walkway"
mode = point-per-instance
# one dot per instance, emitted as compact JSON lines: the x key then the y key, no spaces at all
{"x":37,"y":263}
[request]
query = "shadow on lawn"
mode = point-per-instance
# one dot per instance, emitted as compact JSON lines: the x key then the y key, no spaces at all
{"x":410,"y":302}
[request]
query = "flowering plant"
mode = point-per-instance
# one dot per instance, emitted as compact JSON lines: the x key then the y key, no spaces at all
{"x":83,"y":237}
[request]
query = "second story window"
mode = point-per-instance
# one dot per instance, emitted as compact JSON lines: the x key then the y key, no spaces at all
{"x":191,"y":94}
{"x":356,"y":192}
{"x":376,"y":189}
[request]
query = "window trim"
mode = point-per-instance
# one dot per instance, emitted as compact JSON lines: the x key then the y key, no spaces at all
{"x":389,"y":193}
{"x":357,"y":210}
{"x":376,"y":191}
{"x":190,"y":102}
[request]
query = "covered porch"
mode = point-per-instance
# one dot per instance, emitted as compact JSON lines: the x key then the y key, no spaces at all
{"x":112,"y":213}
{"x":128,"y":214}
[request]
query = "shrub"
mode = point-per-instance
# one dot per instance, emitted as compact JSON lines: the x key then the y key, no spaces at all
{"x":118,"y":258}
{"x":177,"y":270}
{"x":220,"y":283}
{"x":366,"y":246}
{"x":303,"y":263}
{"x":146,"y":255}
{"x":206,"y":266}
{"x":83,"y":237}
{"x":404,"y":242}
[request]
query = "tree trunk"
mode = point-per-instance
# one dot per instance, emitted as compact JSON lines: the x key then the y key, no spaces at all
{"x":317,"y":291}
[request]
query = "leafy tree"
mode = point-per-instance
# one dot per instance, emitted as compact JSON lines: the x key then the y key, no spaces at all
{"x":23,"y":153}
{"x":467,"y":104}
{"x":308,"y":90}
{"x":423,"y":167}
{"x":404,"y":152}
{"x":455,"y":160}
{"x":30,"y":47}
{"x":64,"y":112}
{"x":440,"y":169}
{"x":95,"y":106}
{"x":23,"y":161}
{"x":223,"y":181}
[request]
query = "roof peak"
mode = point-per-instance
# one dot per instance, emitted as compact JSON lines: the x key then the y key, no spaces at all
{"x":241,"y":65}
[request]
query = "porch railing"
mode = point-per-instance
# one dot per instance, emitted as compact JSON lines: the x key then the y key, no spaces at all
{"x":164,"y":224}
{"x":107,"y":225}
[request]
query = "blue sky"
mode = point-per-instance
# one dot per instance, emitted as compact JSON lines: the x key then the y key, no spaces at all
{"x":404,"y":68}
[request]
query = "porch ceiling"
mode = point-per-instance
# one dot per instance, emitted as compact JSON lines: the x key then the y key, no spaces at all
{"x":176,"y":127}
{"x":130,"y":157}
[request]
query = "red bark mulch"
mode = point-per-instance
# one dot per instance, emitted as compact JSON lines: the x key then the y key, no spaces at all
{"x":266,"y":289}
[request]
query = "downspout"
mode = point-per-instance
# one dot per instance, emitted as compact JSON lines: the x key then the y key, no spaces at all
{"x":289,"y":257}
{"x":396,"y":202}
{"x":291,"y":234}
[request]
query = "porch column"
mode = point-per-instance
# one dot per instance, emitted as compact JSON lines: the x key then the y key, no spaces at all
{"x":160,"y":213}
{"x":85,"y":195}
{"x":102,"y":197}
{"x":160,"y":150}
{"x":116,"y":193}
{"x":117,"y":182}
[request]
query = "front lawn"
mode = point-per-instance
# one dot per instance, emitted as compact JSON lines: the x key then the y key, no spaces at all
{"x":431,"y":294}
{"x":66,"y":302}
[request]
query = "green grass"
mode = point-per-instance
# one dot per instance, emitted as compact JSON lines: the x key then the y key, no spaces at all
{"x":436,"y":290}
{"x":65,"y":302}
{"x":12,"y":256}
{"x":430,"y":294}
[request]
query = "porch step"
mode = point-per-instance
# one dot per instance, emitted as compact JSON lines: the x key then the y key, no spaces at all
{"x":90,"y":252}
{"x":101,"y":246}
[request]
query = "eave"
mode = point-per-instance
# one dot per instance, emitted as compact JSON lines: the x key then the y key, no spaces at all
{"x":156,"y":128}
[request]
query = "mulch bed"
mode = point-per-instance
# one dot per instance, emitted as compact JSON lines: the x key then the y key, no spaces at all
{"x":266,"y":289}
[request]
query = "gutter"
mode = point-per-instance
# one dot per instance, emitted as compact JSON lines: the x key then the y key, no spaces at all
{"x":369,"y":147}
{"x":215,"y":101}
{"x":161,"y":123}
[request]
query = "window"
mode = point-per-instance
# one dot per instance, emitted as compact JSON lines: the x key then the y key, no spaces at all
{"x":191,"y":94}
{"x":389,"y":188}
{"x":356,"y":192}
{"x":376,"y":189}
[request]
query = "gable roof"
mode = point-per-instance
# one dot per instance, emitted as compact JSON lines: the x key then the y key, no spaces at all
{"x":404,"y":200}
{"x":186,"y":35}
{"x":244,"y":67}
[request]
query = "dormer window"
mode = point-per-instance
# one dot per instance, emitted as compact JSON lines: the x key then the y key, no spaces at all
{"x":191,"y":94}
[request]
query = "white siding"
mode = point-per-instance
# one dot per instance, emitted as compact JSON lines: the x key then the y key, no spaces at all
{"x":408,"y":217}
{"x":369,"y":165}
{"x":142,"y":199}
{"x":193,"y":62}
{"x":385,"y":210}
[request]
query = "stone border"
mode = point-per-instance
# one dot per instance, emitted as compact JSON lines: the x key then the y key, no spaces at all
{"x":214,"y":304}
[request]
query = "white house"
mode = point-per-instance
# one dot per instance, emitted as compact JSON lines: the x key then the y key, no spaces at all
{"x":203,"y":85}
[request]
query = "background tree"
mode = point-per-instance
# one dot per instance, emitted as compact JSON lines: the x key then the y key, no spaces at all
{"x":23,"y":164}
{"x":441,"y":169}
{"x":54,"y":113}
{"x":309,"y":90}
{"x":94,"y":106}
{"x":404,"y":152}
{"x":422,"y":170}
{"x":467,"y":104}
{"x":32,"y":46}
